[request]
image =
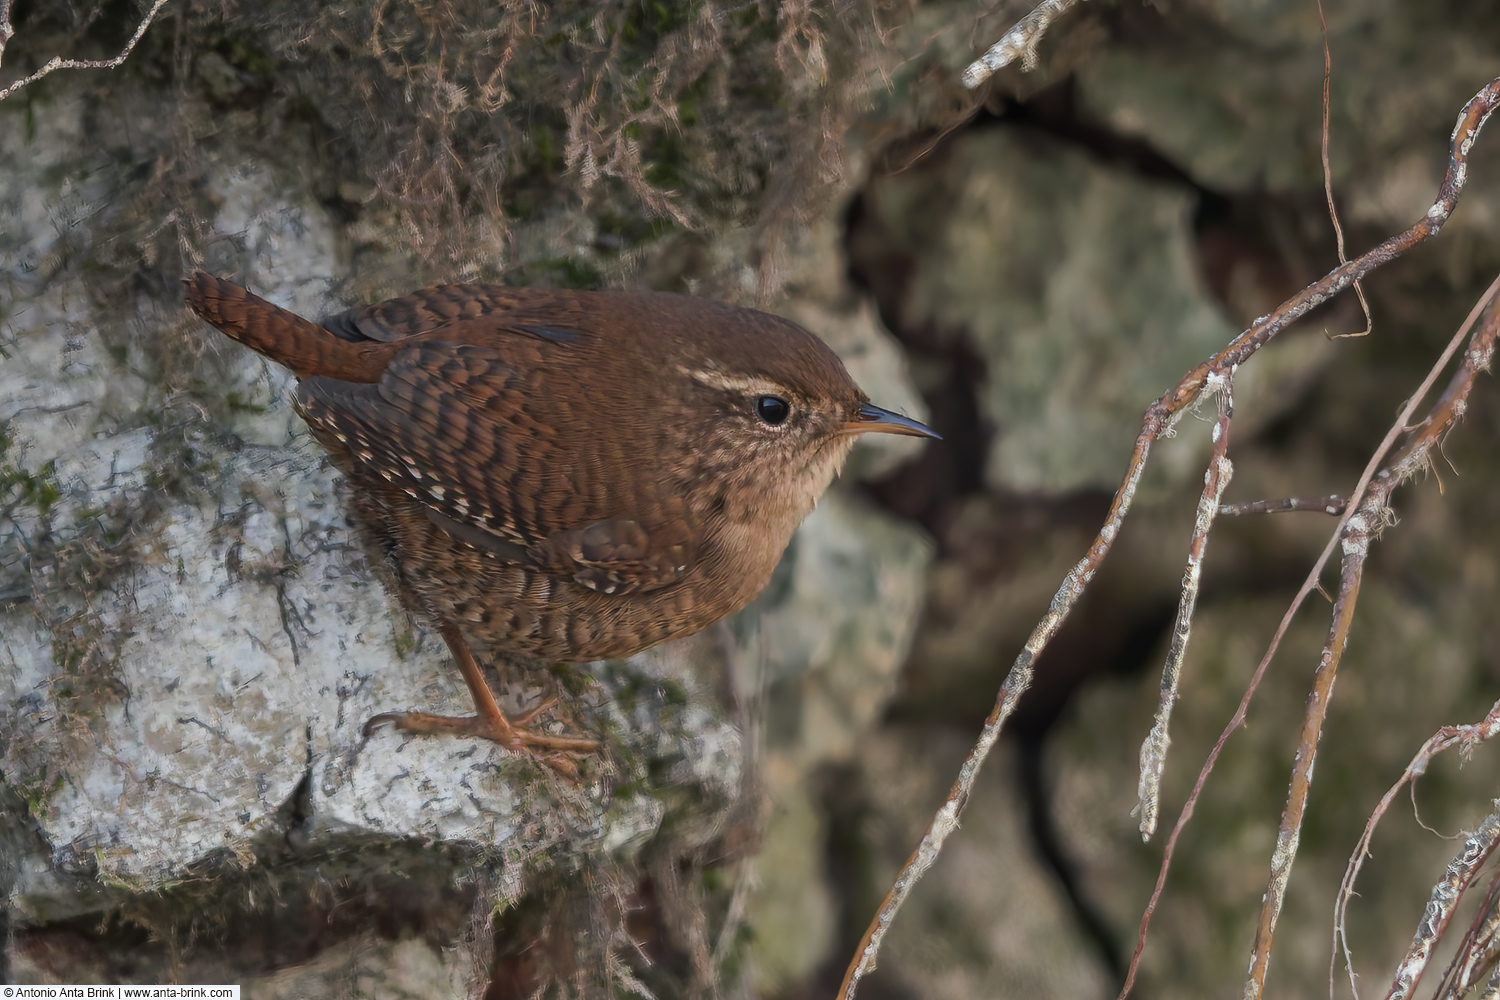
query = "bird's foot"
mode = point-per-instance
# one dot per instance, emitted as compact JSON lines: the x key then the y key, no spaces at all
{"x":510,"y":733}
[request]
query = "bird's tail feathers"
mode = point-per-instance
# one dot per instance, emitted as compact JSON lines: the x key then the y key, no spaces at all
{"x":281,"y":335}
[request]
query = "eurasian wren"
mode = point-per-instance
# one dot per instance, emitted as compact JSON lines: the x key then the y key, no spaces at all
{"x":570,"y":475}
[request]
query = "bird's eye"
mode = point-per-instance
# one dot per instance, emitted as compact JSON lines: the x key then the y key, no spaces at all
{"x":772,"y":409}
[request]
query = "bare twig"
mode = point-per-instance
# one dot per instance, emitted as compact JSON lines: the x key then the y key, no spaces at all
{"x":1331,"y":504}
{"x":1354,"y":535}
{"x":58,"y":62}
{"x":6,"y":31}
{"x":1154,"y":748}
{"x":1333,"y":212}
{"x":1449,"y":407}
{"x":1445,"y":895}
{"x":1477,"y":951}
{"x":1356,"y":544}
{"x":1464,"y":737}
{"x":1020,"y":40}
{"x":1158,"y":420}
{"x":1309,"y":585}
{"x":1016,"y":682}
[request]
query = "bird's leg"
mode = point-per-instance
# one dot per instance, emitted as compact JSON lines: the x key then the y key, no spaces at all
{"x":488,"y":721}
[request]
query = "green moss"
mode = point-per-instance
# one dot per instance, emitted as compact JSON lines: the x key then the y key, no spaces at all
{"x":620,"y":232}
{"x":667,"y":162}
{"x":572,"y":680}
{"x":760,"y":29}
{"x":39,"y":491}
{"x":236,"y":401}
{"x":651,"y":20}
{"x":732,"y":969}
{"x":545,"y":150}
{"x":562,"y":272}
{"x":300,"y":108}
{"x":672,"y":693}
{"x":182,"y":461}
{"x":39,"y":791}
{"x":244,"y":52}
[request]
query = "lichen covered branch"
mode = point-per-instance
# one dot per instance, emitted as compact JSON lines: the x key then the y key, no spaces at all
{"x":1462,"y":871}
{"x":1354,"y":535}
{"x":1021,"y":40}
{"x":1159,"y":419}
{"x":1154,"y":747}
{"x":1464,"y":737}
{"x":58,"y":62}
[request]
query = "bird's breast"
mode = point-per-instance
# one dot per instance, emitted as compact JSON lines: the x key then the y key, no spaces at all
{"x":740,"y":554}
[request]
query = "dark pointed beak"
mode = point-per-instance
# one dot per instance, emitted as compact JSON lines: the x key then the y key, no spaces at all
{"x":873,"y":419}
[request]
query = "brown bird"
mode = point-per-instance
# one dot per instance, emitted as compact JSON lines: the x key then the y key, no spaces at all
{"x":570,"y":475}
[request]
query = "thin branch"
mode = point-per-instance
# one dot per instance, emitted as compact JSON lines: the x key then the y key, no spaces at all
{"x":1470,"y":120}
{"x":1158,"y":420}
{"x":1016,"y":682}
{"x":1492,"y":987}
{"x":1356,"y":543}
{"x":1020,"y":40}
{"x":1445,"y":896}
{"x":6,"y":31}
{"x":1333,"y":212}
{"x":1154,"y":747}
{"x":1477,"y":951}
{"x":58,"y":62}
{"x":1331,"y":504}
{"x":1354,"y":535}
{"x":1463,"y":736}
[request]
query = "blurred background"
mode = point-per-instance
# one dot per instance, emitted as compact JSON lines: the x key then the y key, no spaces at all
{"x":1026,"y":267}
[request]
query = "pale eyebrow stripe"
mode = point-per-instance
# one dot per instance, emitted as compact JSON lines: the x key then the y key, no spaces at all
{"x":731,"y":383}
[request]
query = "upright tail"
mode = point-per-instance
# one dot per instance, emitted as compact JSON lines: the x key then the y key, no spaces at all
{"x":284,"y":337}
